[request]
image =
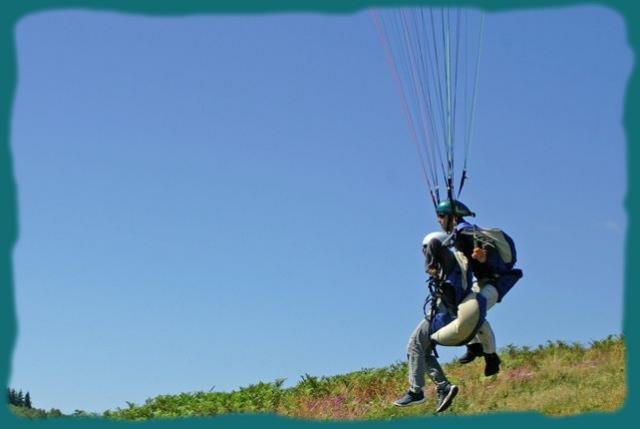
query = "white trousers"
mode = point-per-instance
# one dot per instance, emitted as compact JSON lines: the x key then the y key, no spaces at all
{"x":485,"y":335}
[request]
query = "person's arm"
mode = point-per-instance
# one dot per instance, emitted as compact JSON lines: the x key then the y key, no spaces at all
{"x":467,"y":244}
{"x":479,"y":254}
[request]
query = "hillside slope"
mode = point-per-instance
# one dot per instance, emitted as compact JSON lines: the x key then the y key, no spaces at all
{"x":555,"y":379}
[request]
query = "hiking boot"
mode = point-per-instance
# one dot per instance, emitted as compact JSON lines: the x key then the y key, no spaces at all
{"x":473,"y":351}
{"x":411,"y":398}
{"x":492,"y":364}
{"x":445,"y":396}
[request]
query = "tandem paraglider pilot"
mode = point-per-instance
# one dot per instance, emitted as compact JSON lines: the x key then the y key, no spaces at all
{"x":491,"y":254}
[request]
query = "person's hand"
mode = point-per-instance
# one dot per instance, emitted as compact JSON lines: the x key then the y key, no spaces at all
{"x":479,"y":255}
{"x":433,"y":270}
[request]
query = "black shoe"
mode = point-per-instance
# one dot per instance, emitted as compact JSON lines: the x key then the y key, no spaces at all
{"x":411,"y":398}
{"x":473,"y":351}
{"x":445,"y":397}
{"x":492,"y":364}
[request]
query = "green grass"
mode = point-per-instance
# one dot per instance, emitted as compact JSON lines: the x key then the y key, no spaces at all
{"x":556,"y":379}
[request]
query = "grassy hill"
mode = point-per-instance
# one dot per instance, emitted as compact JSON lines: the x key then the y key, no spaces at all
{"x":555,"y":379}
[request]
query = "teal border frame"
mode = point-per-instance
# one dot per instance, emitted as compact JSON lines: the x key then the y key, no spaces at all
{"x":11,"y":11}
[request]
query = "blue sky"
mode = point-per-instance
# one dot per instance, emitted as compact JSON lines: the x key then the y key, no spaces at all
{"x":212,"y":201}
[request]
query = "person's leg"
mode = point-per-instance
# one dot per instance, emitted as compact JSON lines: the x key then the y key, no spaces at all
{"x":490,"y":293}
{"x":416,"y":358}
{"x":421,"y":361}
{"x":486,"y":338}
{"x":444,"y":389}
{"x":485,"y":335}
{"x":484,"y":343}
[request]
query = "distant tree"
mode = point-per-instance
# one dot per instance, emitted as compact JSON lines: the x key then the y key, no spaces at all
{"x":54,"y":412}
{"x":20,"y":399}
{"x":27,"y":400}
{"x":14,"y":398}
{"x":11,"y":396}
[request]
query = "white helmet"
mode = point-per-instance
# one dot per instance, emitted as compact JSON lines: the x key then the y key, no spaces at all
{"x":439,"y":235}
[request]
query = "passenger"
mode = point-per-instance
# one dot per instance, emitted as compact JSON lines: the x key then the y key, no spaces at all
{"x":440,"y":263}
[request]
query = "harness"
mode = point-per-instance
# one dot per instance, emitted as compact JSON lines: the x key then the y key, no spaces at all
{"x":435,"y":294}
{"x":436,"y":317}
{"x":454,"y":312}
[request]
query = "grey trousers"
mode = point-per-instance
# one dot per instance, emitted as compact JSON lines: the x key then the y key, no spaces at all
{"x":422,"y":360}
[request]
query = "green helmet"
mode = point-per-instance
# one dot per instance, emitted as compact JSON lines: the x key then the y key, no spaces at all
{"x":444,"y":208}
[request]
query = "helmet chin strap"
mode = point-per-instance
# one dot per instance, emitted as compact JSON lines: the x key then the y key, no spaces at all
{"x":450,"y":224}
{"x":452,"y":204}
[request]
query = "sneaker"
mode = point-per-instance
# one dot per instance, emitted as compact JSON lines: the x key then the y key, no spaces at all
{"x":445,"y":397}
{"x":411,"y":398}
{"x":492,"y":364}
{"x":473,"y":351}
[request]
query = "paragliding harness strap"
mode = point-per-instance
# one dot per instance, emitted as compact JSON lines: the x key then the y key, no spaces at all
{"x":435,"y":293}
